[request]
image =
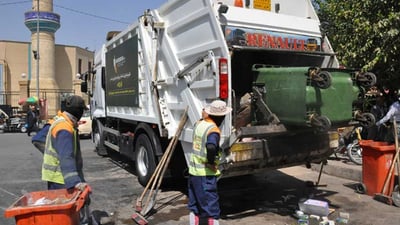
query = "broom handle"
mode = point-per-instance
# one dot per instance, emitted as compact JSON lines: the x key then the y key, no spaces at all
{"x":397,"y":159}
{"x":166,"y":157}
{"x":396,"y":141}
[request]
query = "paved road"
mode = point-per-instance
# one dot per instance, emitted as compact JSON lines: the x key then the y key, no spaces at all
{"x":111,"y":179}
{"x":269,"y":198}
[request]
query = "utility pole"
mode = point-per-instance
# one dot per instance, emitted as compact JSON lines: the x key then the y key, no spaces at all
{"x":37,"y":49}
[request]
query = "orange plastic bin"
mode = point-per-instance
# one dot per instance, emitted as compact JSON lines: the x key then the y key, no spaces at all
{"x":377,"y":159}
{"x":57,"y":207}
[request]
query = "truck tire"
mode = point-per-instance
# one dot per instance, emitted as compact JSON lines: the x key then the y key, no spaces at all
{"x":145,"y":162}
{"x":98,"y":139}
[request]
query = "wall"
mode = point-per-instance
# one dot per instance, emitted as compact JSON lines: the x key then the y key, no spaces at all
{"x":16,"y":56}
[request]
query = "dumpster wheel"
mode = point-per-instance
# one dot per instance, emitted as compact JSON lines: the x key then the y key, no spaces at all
{"x":396,"y":196}
{"x":361,"y":188}
{"x":322,"y":80}
{"x":366,"y":119}
{"x":322,"y":123}
{"x":367,"y":79}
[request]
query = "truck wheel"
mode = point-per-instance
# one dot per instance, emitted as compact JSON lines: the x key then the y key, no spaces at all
{"x":145,"y":162}
{"x":98,"y":140}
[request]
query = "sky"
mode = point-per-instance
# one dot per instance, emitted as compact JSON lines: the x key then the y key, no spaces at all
{"x":84,"y":23}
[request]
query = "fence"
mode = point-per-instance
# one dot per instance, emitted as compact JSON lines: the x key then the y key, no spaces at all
{"x":9,"y":98}
{"x":52,"y":100}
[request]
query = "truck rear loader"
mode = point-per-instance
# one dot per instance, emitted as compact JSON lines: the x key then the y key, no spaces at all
{"x":267,"y":59}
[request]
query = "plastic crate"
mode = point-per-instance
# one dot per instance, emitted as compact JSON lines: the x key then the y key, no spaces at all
{"x":61,"y":207}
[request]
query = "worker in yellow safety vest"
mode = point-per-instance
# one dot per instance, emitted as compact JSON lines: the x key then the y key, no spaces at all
{"x":62,"y":159}
{"x":203,"y":165}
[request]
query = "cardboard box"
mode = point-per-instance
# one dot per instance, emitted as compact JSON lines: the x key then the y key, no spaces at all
{"x":314,"y":207}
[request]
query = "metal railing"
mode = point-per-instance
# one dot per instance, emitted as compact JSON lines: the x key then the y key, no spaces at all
{"x":53,"y":98}
{"x":9,"y":98}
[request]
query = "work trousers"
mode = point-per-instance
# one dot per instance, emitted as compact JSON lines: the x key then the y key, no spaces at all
{"x":203,"y":196}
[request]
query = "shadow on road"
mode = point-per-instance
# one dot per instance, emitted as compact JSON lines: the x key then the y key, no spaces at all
{"x":272,"y":192}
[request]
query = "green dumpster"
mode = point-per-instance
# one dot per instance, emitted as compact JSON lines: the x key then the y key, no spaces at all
{"x":291,"y":94}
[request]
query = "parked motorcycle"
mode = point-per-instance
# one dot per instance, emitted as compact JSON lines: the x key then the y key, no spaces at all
{"x":349,"y":146}
{"x":15,"y":124}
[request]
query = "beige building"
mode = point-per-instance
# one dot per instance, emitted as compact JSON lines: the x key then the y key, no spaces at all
{"x":18,"y":74}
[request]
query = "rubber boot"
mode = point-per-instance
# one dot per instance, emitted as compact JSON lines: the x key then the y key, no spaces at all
{"x":212,"y":221}
{"x":193,"y":219}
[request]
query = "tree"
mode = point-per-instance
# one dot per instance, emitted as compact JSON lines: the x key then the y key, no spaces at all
{"x":365,"y":34}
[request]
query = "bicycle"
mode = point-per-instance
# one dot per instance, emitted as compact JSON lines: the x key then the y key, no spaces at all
{"x":349,"y":146}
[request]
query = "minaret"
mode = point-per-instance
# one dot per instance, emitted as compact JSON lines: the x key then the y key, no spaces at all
{"x":42,"y":19}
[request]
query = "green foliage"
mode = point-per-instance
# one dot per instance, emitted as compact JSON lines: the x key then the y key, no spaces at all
{"x":365,"y":34}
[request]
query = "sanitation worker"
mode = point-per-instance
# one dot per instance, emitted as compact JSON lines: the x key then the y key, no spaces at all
{"x":62,"y":159}
{"x":392,"y":114}
{"x":203,"y":169}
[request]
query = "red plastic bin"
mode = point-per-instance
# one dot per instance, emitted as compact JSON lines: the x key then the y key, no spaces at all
{"x":61,"y":208}
{"x":377,"y":159}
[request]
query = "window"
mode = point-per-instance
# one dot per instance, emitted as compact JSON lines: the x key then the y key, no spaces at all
{"x":80,"y":66}
{"x":89,"y":66}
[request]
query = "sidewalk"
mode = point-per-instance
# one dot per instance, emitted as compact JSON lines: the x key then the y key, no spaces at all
{"x":341,"y":167}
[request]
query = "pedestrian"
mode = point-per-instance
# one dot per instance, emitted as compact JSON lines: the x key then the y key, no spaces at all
{"x":203,"y":166}
{"x":31,"y":119}
{"x":62,"y":159}
{"x":393,"y":113}
{"x":379,"y":111}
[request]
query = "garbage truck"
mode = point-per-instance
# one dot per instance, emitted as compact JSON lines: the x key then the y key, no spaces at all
{"x":267,"y":59}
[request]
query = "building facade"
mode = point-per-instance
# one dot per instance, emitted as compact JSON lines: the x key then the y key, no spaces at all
{"x":18,"y":75}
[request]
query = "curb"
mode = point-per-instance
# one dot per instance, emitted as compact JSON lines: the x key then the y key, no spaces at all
{"x":340,"y":168}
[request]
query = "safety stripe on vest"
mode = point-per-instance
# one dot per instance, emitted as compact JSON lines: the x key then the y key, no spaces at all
{"x":52,"y":168}
{"x":53,"y":154}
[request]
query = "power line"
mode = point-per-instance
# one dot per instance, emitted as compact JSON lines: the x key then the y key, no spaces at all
{"x":14,"y":3}
{"x":69,"y":9}
{"x":88,"y":14}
